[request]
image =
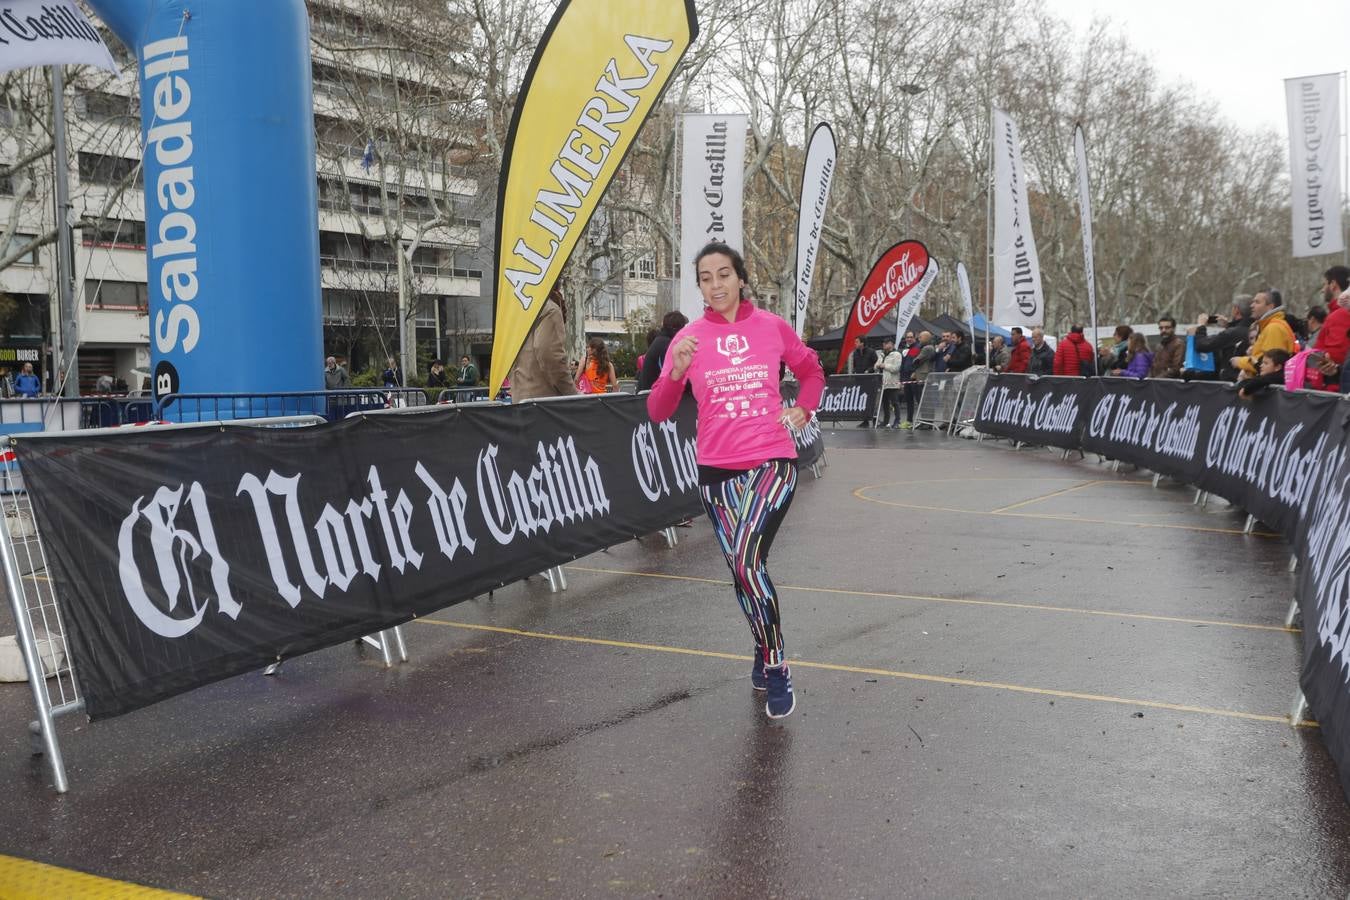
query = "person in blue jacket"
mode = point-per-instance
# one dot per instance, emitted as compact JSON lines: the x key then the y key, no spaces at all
{"x":27,"y":384}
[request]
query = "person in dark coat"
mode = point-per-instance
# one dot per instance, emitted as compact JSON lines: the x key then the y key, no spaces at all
{"x":655,"y":356}
{"x":1224,"y":341}
{"x":1042,"y":355}
{"x":863,"y":359}
{"x":959,"y":356}
{"x":1074,"y":356}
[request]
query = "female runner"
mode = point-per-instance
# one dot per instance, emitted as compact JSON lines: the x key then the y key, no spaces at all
{"x":746,"y":455}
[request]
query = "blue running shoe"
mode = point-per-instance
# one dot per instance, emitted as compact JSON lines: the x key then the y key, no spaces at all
{"x":758,"y":680}
{"x":781,"y":701}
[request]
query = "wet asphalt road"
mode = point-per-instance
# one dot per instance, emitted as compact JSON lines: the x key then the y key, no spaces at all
{"x":1074,"y":696}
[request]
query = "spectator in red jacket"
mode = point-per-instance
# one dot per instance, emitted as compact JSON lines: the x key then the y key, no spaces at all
{"x":1074,"y":355}
{"x":1333,"y":338}
{"x":1020,"y":353}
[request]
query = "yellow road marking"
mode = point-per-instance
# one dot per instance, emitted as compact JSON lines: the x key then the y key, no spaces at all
{"x":859,"y":493}
{"x":24,"y":879}
{"x":1041,"y":607}
{"x":888,"y":673}
{"x":1067,"y":490}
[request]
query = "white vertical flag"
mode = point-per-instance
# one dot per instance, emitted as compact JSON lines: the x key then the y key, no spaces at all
{"x":817,"y":172}
{"x":49,"y":33}
{"x":1085,"y":216}
{"x":1314,"y":105}
{"x":1018,"y":298}
{"x":711,"y":194}
{"x":963,"y":280}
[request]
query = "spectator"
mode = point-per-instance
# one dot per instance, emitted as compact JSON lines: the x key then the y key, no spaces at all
{"x":1271,"y":372}
{"x":1074,"y":356}
{"x":1138,"y":359}
{"x":1019,"y":354}
{"x":392,"y":376}
{"x":959,"y":355}
{"x":1227,"y":342}
{"x":1333,"y":338}
{"x":1171,"y":353}
{"x":999,"y":354}
{"x":1272,"y":332}
{"x":6,"y":383}
{"x":655,"y":357}
{"x":27,"y":384}
{"x":335,"y":377}
{"x":909,"y":354}
{"x":1315,"y":319}
{"x":923,"y":365}
{"x":1042,"y":359}
{"x":541,"y":369}
{"x":863,"y":359}
{"x":1121,"y":348}
{"x":597,"y":377}
{"x":468,"y":373}
{"x":436,"y":378}
{"x":104,"y":385}
{"x":889,"y":364}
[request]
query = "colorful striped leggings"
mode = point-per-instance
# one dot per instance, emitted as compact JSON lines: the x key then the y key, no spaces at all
{"x":746,"y":511}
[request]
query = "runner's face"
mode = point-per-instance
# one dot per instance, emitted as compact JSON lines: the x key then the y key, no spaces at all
{"x":719,"y":284}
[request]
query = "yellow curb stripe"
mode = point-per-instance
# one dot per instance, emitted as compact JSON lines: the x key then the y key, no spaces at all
{"x":888,"y":673}
{"x":24,"y":879}
{"x":1039,"y":607}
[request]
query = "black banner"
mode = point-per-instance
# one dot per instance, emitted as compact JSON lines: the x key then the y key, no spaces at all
{"x":181,"y":557}
{"x":1042,"y":411}
{"x":1281,"y":456}
{"x":850,"y":398}
{"x":810,"y":442}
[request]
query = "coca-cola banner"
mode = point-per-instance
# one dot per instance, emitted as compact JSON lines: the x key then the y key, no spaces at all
{"x":181,"y":557}
{"x":1281,"y":456}
{"x":850,"y":398}
{"x":897,"y":275}
{"x":1018,"y":298}
{"x":817,"y":173}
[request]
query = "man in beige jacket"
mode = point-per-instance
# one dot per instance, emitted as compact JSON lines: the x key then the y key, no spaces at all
{"x":541,"y":368}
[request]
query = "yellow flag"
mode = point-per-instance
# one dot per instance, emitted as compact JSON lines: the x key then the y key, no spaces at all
{"x":596,"y":75}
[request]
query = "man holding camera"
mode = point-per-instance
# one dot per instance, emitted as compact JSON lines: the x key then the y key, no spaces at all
{"x":1228,"y":339}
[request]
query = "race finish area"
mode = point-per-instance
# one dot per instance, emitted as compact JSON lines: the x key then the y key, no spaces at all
{"x":1017,"y":676}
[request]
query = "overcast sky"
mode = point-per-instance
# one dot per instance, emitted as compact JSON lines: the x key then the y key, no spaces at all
{"x":1238,"y":52}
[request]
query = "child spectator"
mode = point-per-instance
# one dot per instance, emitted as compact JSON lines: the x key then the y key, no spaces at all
{"x":1272,"y":372}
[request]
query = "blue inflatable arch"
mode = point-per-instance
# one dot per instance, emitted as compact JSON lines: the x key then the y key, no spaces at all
{"x":231,"y":206}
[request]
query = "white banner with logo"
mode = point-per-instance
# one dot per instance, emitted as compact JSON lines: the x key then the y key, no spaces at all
{"x":711,"y":194}
{"x":1314,"y":105}
{"x":49,"y":33}
{"x":1085,"y":216}
{"x":817,"y":173}
{"x":1018,"y":298}
{"x":910,"y":303}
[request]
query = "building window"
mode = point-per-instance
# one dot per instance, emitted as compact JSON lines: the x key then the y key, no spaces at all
{"x":97,"y":168}
{"x":643,"y":267}
{"x":122,"y":234}
{"x":607,"y":307}
{"x":100,"y":106}
{"x":16,"y":242}
{"x":129,"y":295}
{"x":6,"y":185}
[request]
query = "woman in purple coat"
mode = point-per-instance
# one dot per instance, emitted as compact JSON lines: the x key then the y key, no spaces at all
{"x":1139,"y":358}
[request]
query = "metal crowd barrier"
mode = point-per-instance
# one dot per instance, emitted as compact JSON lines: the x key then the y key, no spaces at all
{"x":968,"y":400}
{"x":937,"y":403}
{"x":42,"y":635}
{"x":332,"y":405}
{"x":463,"y":395}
